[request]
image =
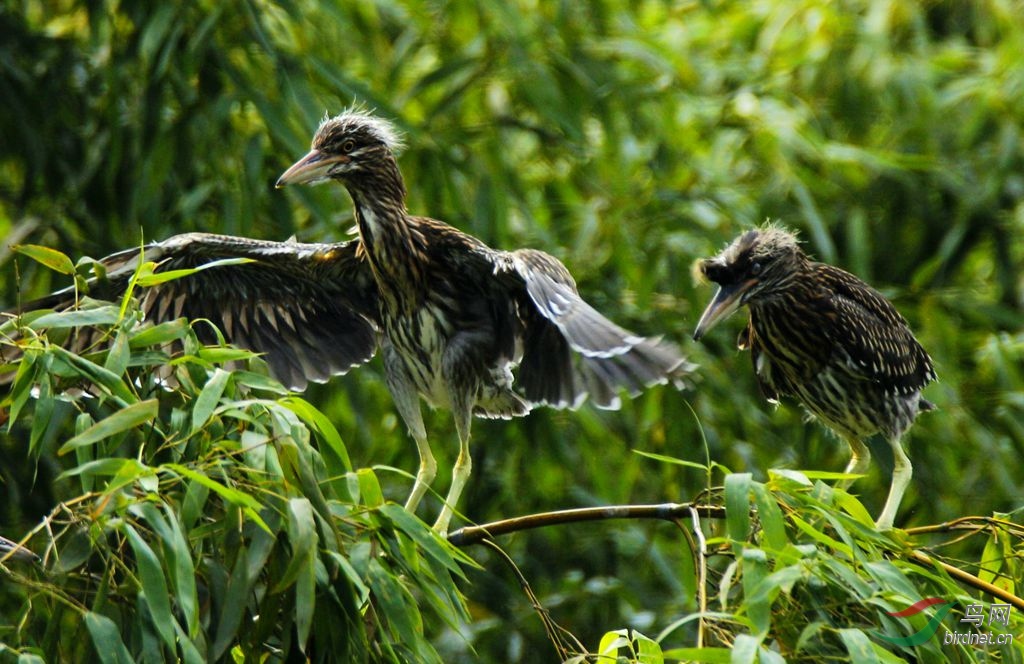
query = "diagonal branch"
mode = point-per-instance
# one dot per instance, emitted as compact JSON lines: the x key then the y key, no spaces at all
{"x":966,"y":577}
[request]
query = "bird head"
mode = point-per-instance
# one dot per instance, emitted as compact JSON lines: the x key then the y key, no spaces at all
{"x":343,"y":147}
{"x":755,"y":266}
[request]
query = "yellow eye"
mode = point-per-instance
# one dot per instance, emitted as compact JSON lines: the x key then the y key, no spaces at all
{"x":348,"y":146}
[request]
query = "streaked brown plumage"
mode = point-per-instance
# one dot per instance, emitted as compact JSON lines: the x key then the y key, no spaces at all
{"x":822,"y":336}
{"x":452,"y":316}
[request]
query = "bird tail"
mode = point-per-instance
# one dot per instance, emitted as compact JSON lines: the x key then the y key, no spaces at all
{"x":502,"y":404}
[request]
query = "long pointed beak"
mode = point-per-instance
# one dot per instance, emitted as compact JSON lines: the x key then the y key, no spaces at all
{"x":311,"y":168}
{"x":725,"y":303}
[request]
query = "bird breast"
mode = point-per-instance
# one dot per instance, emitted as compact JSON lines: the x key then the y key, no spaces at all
{"x":420,"y":338}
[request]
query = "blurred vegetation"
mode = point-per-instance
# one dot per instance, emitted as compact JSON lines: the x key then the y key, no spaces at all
{"x":627,"y":138}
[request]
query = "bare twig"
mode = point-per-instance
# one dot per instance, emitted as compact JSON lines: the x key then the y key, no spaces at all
{"x":971,"y":524}
{"x":562,"y":639}
{"x":665,"y":511}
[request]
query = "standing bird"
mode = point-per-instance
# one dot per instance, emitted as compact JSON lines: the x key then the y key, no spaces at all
{"x":824,"y":337}
{"x":452,"y":316}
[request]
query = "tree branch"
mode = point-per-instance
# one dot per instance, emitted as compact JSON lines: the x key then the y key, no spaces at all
{"x":922,"y":558}
{"x":666,"y":511}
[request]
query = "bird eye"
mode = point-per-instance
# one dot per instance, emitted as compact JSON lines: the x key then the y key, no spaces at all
{"x":755,"y":269}
{"x":348,"y":146}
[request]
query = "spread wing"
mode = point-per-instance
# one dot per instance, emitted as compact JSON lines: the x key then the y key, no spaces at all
{"x":569,"y":349}
{"x":310,"y":308}
{"x":874,"y":335}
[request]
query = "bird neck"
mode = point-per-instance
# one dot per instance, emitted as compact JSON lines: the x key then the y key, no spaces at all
{"x":390,"y":236}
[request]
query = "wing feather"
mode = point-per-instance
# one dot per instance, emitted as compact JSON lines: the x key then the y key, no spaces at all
{"x":878,"y":340}
{"x":560,"y":325}
{"x":310,"y":308}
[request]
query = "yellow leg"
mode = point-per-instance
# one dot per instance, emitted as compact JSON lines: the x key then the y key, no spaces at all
{"x":462,"y":410}
{"x":901,"y":474}
{"x":407,"y":401}
{"x":424,"y":476}
{"x":860,"y":459}
{"x":460,"y":474}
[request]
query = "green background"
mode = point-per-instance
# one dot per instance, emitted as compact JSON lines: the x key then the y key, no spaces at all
{"x":628,"y":139}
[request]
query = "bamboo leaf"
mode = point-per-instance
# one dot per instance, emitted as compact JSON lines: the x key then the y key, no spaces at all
{"x":51,"y":258}
{"x":106,"y":638}
{"x":208,"y":398}
{"x":151,"y":278}
{"x":122,"y":420}
{"x":426,"y":538}
{"x":248,"y":504}
{"x":154,"y":586}
{"x":322,"y":425}
{"x":302,"y":538}
{"x":858,"y":645}
{"x":737,"y":505}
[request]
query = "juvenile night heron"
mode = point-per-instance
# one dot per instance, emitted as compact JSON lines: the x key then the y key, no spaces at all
{"x":822,"y":336}
{"x":452,"y":316}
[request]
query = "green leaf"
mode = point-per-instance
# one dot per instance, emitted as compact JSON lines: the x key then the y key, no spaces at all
{"x":106,"y":638}
{"x":688,"y":572}
{"x":21,"y":390}
{"x":154,"y":586}
{"x":737,"y":506}
{"x":745,"y":649}
{"x":991,"y":559}
{"x":119,"y":355}
{"x":158,"y":335}
{"x":768,"y":656}
{"x":208,"y":398}
{"x":399,"y":611}
{"x":51,"y":258}
{"x":821,"y":537}
{"x":56,"y":320}
{"x":97,"y":374}
{"x":108,"y":466}
{"x":672,"y":460}
{"x":322,"y":425}
{"x":302,"y":538}
{"x":249,"y":505}
{"x":183,"y":571}
{"x":754,"y":564}
{"x":770,"y":516}
{"x":147,"y":277}
{"x":369,"y":488}
{"x":122,"y":420}
{"x":239,"y":589}
{"x":858,"y":646}
{"x":305,"y":600}
{"x":648,"y":650}
{"x":426,"y":538}
{"x":221,"y":355}
{"x":708,"y":655}
{"x":612,"y":641}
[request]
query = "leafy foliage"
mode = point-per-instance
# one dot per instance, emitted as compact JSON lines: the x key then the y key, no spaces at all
{"x":628,"y":138}
{"x":208,"y":513}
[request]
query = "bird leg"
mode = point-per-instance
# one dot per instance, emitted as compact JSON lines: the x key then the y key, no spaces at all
{"x":426,"y":473}
{"x":901,"y":473}
{"x":458,"y":368}
{"x":860,"y":459}
{"x":460,"y":472}
{"x":407,"y":401}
